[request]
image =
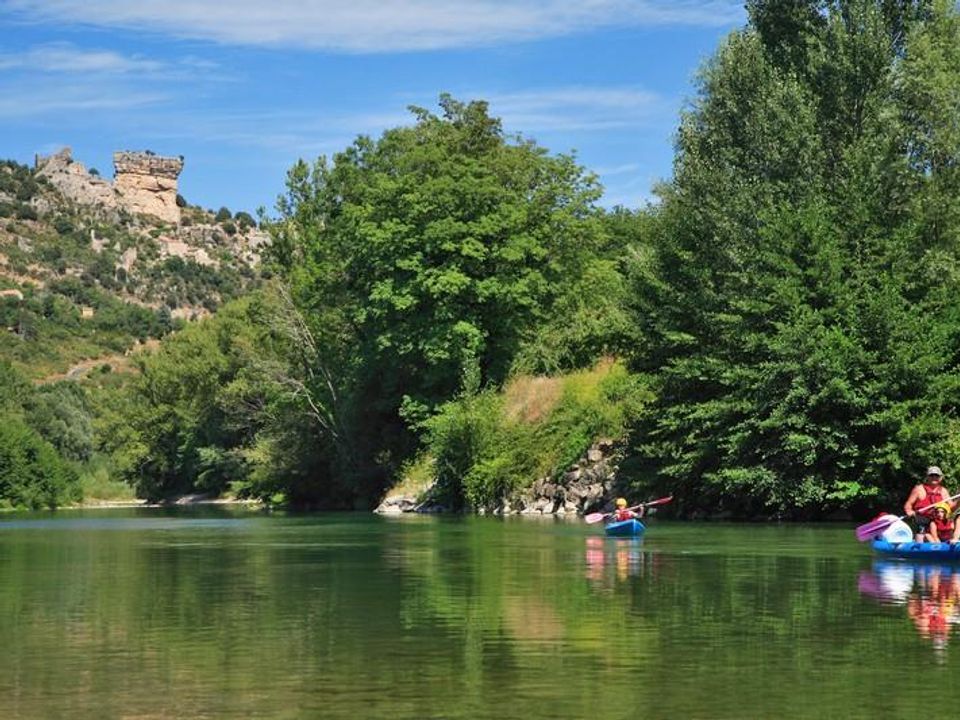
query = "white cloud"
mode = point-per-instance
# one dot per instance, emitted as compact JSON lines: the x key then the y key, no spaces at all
{"x":49,"y":100}
{"x":534,"y":113}
{"x":625,"y":169}
{"x":376,"y":25}
{"x":575,"y":108}
{"x":63,"y":57}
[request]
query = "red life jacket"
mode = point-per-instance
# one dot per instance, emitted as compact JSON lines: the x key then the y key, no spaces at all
{"x":934,"y":495}
{"x":944,"y":529}
{"x":623,"y":514}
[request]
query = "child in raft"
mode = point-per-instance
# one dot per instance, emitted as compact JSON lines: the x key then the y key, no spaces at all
{"x":624,"y":513}
{"x":941,"y":527}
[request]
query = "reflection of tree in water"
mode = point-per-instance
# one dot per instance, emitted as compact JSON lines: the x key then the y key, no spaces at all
{"x":931,"y":594}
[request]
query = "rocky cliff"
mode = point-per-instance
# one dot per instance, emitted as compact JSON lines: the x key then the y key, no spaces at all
{"x":145,"y":183}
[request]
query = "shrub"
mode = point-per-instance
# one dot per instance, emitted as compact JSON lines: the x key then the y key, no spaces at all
{"x":223,"y":214}
{"x":32,"y":474}
{"x":489,"y":445}
{"x":26,"y":212}
{"x":63,"y":225}
{"x":245,"y":220}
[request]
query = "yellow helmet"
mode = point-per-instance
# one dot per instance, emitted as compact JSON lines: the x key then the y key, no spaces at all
{"x":945,"y":506}
{"x":621,"y":502}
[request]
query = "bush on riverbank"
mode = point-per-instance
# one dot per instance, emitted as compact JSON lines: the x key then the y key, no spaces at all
{"x":486,"y":446}
{"x":32,"y":474}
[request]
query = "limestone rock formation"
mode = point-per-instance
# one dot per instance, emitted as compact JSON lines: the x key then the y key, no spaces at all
{"x":147,"y":184}
{"x":73,"y":180}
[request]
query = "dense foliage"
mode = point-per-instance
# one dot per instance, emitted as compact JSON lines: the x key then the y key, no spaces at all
{"x":485,"y":447}
{"x":785,"y":322}
{"x":423,"y":262}
{"x":32,"y":473}
{"x":799,"y":307}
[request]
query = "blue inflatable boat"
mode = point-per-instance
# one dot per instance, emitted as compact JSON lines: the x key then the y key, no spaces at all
{"x":919,"y":550}
{"x":625,"y":528}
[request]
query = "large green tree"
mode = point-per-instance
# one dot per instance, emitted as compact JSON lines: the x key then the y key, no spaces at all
{"x":800,"y":302}
{"x":424,"y":259}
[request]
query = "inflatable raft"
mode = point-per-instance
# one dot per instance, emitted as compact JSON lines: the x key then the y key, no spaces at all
{"x":919,"y":550}
{"x":625,"y":528}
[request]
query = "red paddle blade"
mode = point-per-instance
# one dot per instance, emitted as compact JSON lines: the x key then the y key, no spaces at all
{"x":594,"y":517}
{"x":659,"y":501}
{"x":868,"y":530}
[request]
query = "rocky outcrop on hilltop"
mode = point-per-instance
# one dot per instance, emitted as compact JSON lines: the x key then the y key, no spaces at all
{"x":146,"y":184}
{"x":74,"y":181}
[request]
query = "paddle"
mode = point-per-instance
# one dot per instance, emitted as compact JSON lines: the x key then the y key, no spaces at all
{"x":597,"y":517}
{"x":868,"y":530}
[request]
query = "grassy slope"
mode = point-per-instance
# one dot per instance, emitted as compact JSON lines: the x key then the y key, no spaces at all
{"x":495,"y":443}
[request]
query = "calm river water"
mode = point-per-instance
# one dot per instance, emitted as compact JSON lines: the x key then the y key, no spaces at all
{"x":153,"y":614}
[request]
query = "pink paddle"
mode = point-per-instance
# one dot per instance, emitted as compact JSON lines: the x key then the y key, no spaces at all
{"x":868,"y":530}
{"x":597,"y":517}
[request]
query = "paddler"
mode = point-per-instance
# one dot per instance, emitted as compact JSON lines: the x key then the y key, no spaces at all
{"x":923,"y":497}
{"x":624,"y":513}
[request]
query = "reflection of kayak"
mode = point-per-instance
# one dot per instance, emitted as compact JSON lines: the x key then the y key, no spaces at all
{"x":625,"y":528}
{"x":919,"y":550}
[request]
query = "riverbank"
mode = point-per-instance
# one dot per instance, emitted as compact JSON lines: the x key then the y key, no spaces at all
{"x":181,"y":501}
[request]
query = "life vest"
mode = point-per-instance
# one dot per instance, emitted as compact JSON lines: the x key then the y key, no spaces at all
{"x":623,"y":514}
{"x":933,"y":495}
{"x":944,"y":529}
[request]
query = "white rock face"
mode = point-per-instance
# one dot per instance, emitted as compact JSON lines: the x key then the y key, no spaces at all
{"x":147,"y":184}
{"x":74,"y":182}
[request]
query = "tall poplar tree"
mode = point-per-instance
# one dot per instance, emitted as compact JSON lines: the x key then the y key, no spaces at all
{"x":800,"y":303}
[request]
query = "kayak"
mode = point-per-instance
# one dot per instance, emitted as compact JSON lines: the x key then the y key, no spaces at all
{"x":919,"y":550}
{"x":625,"y":528}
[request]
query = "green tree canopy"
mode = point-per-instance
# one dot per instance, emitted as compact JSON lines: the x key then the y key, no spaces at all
{"x":799,"y":303}
{"x":428,"y":256}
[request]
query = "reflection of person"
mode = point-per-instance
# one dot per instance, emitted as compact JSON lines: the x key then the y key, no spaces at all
{"x":595,"y":558}
{"x":922,"y":499}
{"x":935,"y":607}
{"x":624,"y":513}
{"x":940,"y":528}
{"x":931,"y":594}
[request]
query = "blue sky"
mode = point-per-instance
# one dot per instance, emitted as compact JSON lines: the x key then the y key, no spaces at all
{"x":242,"y":89}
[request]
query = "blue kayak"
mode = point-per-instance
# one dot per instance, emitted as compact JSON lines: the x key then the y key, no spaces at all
{"x":625,"y":528}
{"x":919,"y":550}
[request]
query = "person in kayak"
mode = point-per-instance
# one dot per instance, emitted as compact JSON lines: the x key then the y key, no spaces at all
{"x":624,"y":513}
{"x":941,"y":527}
{"x":922,"y":498}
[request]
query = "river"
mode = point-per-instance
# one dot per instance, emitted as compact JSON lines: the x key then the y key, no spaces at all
{"x":233,"y":613}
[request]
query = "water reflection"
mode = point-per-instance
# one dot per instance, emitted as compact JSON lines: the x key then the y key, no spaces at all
{"x":930,"y":592}
{"x":622,"y":556}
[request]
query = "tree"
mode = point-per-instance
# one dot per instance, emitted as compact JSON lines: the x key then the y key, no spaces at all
{"x":799,"y":302}
{"x":432,"y":251}
{"x":31,"y":473}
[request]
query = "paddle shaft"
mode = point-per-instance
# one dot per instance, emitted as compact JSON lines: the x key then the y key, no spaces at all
{"x":930,"y":507}
{"x":597,"y":517}
{"x":866,"y":530}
